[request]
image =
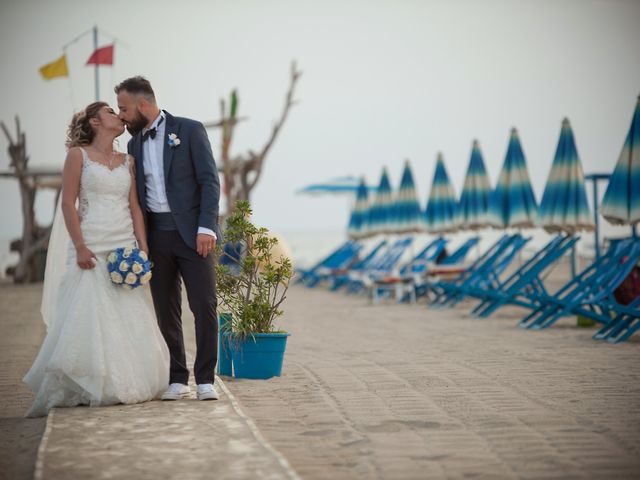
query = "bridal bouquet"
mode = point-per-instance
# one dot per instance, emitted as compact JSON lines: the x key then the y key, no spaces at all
{"x":129,"y":267}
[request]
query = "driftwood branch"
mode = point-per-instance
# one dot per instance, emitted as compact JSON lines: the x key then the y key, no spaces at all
{"x":34,"y":238}
{"x":242,"y":172}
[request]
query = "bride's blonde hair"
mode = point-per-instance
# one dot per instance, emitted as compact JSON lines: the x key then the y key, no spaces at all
{"x":80,"y":131}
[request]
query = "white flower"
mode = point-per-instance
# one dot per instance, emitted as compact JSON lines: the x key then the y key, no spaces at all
{"x":116,"y":277}
{"x":124,"y":266}
{"x":145,"y":278}
{"x":128,"y":287}
{"x":173,"y":141}
{"x":112,"y":257}
{"x":136,"y":268}
{"x":131,"y":278}
{"x":127,"y":252}
{"x":143,"y":256}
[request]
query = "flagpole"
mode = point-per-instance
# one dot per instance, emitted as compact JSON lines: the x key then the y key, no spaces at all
{"x":95,"y":47}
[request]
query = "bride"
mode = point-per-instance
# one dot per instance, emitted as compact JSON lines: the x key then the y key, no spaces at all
{"x":103,"y":345}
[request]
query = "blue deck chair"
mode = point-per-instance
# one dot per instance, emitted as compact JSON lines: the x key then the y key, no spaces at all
{"x":422,"y":260}
{"x":383,"y":286}
{"x":338,"y":258}
{"x":590,"y":293}
{"x":624,"y":324}
{"x":384,"y":265}
{"x":450,"y":293}
{"x":459,"y":255}
{"x":422,"y":288}
{"x":404,"y":286}
{"x":340,"y":277}
{"x":495,"y":294}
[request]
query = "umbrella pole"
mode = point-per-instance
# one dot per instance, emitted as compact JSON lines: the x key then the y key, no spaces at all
{"x":573,"y":261}
{"x":595,"y":216}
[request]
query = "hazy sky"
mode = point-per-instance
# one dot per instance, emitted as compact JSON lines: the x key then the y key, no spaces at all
{"x":383,"y":81}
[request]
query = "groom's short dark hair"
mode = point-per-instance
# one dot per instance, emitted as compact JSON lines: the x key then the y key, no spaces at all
{"x":137,"y":85}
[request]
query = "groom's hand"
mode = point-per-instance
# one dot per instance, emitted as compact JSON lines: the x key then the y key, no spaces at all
{"x":205,"y":244}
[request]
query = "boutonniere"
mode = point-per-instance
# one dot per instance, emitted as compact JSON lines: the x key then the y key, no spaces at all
{"x":173,"y":141}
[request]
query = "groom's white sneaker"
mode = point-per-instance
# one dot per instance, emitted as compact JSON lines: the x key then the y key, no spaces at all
{"x":176,"y":391}
{"x":206,"y":391}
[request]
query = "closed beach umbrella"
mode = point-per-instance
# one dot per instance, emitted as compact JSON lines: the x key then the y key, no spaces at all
{"x":564,"y":206}
{"x":380,"y":211}
{"x":360,"y":212}
{"x":406,"y":212}
{"x":512,"y":203}
{"x":474,"y":199}
{"x":621,"y":202}
{"x":441,"y":214}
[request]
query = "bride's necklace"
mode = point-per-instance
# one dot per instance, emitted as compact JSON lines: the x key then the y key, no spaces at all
{"x":109,"y":156}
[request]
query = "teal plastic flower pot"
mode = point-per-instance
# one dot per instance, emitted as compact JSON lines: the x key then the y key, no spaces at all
{"x":259,"y":356}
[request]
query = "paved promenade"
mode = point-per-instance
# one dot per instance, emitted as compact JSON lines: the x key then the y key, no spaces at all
{"x":389,"y":391}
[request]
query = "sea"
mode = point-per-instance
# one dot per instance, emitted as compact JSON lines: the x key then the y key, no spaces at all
{"x":307,"y":247}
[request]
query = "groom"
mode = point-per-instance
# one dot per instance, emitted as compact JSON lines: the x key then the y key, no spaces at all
{"x":179,"y":190}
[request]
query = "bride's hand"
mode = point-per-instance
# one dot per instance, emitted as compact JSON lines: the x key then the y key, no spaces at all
{"x":85,"y":258}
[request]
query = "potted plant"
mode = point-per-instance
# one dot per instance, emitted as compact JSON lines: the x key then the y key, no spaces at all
{"x":251,"y":287}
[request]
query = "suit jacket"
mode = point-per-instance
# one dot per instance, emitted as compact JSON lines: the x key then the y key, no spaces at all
{"x":190,"y":177}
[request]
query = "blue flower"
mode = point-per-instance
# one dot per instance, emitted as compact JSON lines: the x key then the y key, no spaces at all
{"x":128,"y":267}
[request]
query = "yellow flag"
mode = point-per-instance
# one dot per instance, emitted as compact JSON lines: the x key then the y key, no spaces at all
{"x":57,"y":68}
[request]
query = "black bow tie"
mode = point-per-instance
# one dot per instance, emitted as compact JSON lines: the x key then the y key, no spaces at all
{"x":152,"y":131}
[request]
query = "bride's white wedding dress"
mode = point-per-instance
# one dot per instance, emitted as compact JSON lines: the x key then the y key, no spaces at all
{"x":103,"y":345}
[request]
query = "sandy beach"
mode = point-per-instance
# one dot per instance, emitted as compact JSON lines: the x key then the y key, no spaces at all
{"x":388,"y":391}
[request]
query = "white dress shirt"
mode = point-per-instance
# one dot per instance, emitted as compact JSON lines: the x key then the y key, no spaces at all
{"x":152,"y":161}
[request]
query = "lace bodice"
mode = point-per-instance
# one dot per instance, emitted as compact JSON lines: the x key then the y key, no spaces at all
{"x":103,"y":203}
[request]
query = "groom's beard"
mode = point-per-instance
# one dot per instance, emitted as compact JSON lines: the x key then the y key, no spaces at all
{"x":137,"y":124}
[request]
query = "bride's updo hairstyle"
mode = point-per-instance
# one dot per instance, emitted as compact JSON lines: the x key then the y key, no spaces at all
{"x":80,"y":132}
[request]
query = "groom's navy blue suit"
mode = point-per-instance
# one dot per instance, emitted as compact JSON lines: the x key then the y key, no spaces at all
{"x":192,"y":188}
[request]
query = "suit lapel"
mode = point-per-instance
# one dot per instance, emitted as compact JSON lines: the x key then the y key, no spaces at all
{"x":173,"y":126}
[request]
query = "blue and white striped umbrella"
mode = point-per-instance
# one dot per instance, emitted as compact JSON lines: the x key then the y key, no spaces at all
{"x":621,"y":202}
{"x":406,"y":212}
{"x":442,"y":213}
{"x":474,"y":199}
{"x":512,"y":203}
{"x":381,"y":208}
{"x":360,"y":213}
{"x":564,"y":206}
{"x":340,"y":185}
